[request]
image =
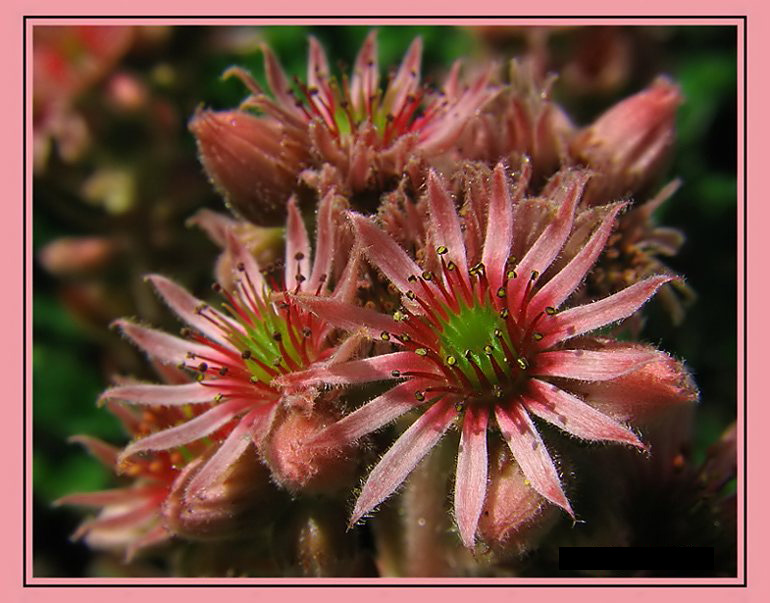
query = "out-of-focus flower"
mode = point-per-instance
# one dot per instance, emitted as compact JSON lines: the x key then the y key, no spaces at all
{"x":237,"y":355}
{"x":486,"y":339}
{"x":629,"y":143}
{"x":76,"y":255}
{"x":365,"y":135}
{"x":130,"y":519}
{"x":67,"y":60}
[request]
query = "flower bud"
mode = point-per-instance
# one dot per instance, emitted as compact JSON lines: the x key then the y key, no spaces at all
{"x":514,"y":516}
{"x":628,"y":144}
{"x":234,"y":506}
{"x":297,"y":465}
{"x":251,"y":161}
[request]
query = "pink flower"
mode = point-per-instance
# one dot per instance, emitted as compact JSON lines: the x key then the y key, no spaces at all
{"x":236,"y":355}
{"x":352,"y":132}
{"x":131,"y":517}
{"x":486,"y":347}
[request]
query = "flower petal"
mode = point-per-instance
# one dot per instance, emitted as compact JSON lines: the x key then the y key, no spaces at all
{"x":445,"y":224}
{"x":244,"y":264}
{"x":162,"y":395}
{"x":574,"y":416}
{"x":385,"y":253}
{"x":588,"y":317}
{"x":372,"y":415}
{"x":592,"y":365}
{"x":471,"y":477}
{"x":277,"y":80}
{"x":105,"y":453}
{"x":544,"y":250}
{"x":407,"y":79}
{"x":376,"y":368}
{"x":403,"y":456}
{"x":196,"y":428}
{"x":559,"y":288}
{"x":297,"y":248}
{"x":134,"y":517}
{"x":228,"y":452}
{"x":324,"y":248}
{"x":366,"y":75}
{"x":497,"y":242}
{"x":350,"y":317}
{"x":186,"y":306}
{"x":102,"y":498}
{"x":530,"y":453}
{"x":214,"y":224}
{"x":159,"y":345}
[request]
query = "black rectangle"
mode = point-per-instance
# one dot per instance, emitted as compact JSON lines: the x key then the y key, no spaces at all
{"x":636,"y":558}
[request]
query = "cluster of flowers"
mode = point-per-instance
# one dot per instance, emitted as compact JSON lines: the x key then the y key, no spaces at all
{"x":470,"y":241}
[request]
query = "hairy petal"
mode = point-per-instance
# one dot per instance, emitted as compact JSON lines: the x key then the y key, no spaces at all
{"x":544,"y":250}
{"x":385,"y":253}
{"x":161,"y":346}
{"x":588,"y":317}
{"x":403,"y":456}
{"x":592,"y":365}
{"x":471,"y":477}
{"x":444,"y":222}
{"x":377,"y":368}
{"x":372,"y":415}
{"x":196,"y":428}
{"x":407,"y":79}
{"x":244,"y":264}
{"x":575,"y":416}
{"x":186,"y":306}
{"x":497,"y":242}
{"x":297,"y":247}
{"x":162,"y":395}
{"x":324,"y":251}
{"x":230,"y":451}
{"x":366,"y":74}
{"x":530,"y":453}
{"x":105,"y":453}
{"x":350,"y":317}
{"x":559,"y":288}
{"x":102,"y":498}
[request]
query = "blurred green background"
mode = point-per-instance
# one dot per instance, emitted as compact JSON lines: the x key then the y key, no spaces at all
{"x":179,"y":69}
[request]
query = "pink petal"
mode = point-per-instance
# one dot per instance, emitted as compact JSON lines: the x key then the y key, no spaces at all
{"x":317,"y":65}
{"x":471,"y":478}
{"x":346,"y":288}
{"x":162,"y":395}
{"x":559,"y":288}
{"x":107,"y":454}
{"x":297,"y":247}
{"x":444,"y":222}
{"x":588,"y":317}
{"x":348,"y":316}
{"x":497,"y":242}
{"x":276,"y":79}
{"x":366,"y":74}
{"x":324,"y":249}
{"x":544,"y":250}
{"x":372,"y":415}
{"x":659,"y":384}
{"x":228,"y":452}
{"x":214,"y":224}
{"x":377,"y":368}
{"x":159,"y":345}
{"x":131,"y":518}
{"x":530,"y":453}
{"x":185,"y":306}
{"x":575,"y":416}
{"x":116,"y":496}
{"x":194,"y":429}
{"x":592,"y":365}
{"x":385,"y":253}
{"x":242,"y":258}
{"x":403,"y":456}
{"x":407,"y":79}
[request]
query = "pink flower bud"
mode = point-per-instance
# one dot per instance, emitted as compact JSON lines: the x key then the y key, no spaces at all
{"x":514,"y":515}
{"x":251,"y":161}
{"x":76,"y":255}
{"x":628,"y":144}
{"x":297,"y":465}
{"x":234,"y":505}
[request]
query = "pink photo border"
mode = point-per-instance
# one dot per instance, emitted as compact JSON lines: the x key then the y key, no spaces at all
{"x":13,"y":451}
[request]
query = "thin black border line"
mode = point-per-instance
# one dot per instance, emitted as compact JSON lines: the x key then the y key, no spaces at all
{"x":744,"y":584}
